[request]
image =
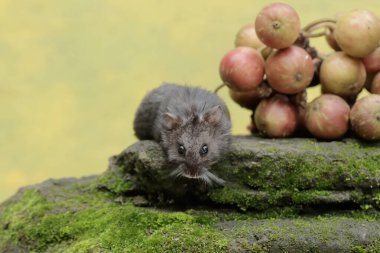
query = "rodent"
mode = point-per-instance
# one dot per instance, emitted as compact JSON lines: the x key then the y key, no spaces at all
{"x":191,"y":124}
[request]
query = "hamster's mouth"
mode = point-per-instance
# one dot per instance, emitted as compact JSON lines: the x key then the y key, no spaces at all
{"x":193,"y":172}
{"x":202,"y":174}
{"x":188,"y":175}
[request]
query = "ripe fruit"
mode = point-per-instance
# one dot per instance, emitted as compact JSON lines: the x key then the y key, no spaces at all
{"x":242,"y":69}
{"x":327,"y":117}
{"x":342,"y":75}
{"x":247,"y":37}
{"x":278,"y":25}
{"x":274,"y":63}
{"x":372,"y":61}
{"x":365,"y":117}
{"x":276,"y":117}
{"x":330,"y":38}
{"x":250,"y":99}
{"x":289,"y":70}
{"x":358,"y":32}
{"x":246,"y":99}
{"x":368,"y":81}
{"x":375,"y":86}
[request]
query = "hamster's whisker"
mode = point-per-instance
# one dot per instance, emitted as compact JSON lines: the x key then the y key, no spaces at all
{"x":177,"y":172}
{"x":213,"y":161}
{"x":204,"y":177}
{"x":214,"y":178}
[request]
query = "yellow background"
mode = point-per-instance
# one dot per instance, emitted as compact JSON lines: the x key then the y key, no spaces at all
{"x":72,"y":73}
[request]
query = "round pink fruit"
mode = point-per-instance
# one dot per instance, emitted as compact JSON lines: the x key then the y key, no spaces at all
{"x":365,"y":117}
{"x":358,"y":32}
{"x":375,"y":86}
{"x":276,"y":117}
{"x":242,"y":69}
{"x":372,"y":61}
{"x":278,"y":25}
{"x":342,"y":75}
{"x":327,"y":117}
{"x":247,"y":37}
{"x":289,"y":70}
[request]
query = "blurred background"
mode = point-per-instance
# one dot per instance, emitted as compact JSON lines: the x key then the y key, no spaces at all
{"x":72,"y":73}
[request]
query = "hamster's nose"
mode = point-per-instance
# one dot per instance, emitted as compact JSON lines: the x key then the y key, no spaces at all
{"x":190,"y":153}
{"x":191,"y":159}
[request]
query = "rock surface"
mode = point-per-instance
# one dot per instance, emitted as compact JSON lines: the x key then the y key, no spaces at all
{"x":263,"y":173}
{"x":297,"y":195}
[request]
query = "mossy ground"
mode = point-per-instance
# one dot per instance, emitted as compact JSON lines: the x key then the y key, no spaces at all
{"x":77,"y":217}
{"x":92,"y":222}
{"x":274,"y":184}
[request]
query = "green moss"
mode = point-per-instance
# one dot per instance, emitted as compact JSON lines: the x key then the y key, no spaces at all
{"x":115,"y":181}
{"x":371,"y":248}
{"x":376,"y":198}
{"x":195,"y":238}
{"x":284,"y":164}
{"x":36,"y":224}
{"x":58,"y":219}
{"x":241,"y":197}
{"x":322,"y":232}
{"x":308,"y":197}
{"x":314,"y":172}
{"x":282,"y":173}
{"x":30,"y":207}
{"x":246,"y":199}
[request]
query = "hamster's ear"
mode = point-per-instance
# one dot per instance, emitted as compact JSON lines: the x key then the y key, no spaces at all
{"x":171,"y":121}
{"x":214,"y":115}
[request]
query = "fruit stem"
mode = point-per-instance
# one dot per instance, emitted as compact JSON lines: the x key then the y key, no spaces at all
{"x":322,"y":25}
{"x":318,"y":22}
{"x":322,"y":57}
{"x":314,"y":35}
{"x":309,"y":30}
{"x":264,"y":90}
{"x":220,"y":86}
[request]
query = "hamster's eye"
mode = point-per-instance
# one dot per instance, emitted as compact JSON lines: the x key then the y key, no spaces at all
{"x":181,"y":150}
{"x":204,"y":150}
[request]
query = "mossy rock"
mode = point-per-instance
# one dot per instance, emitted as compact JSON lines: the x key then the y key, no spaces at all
{"x":260,"y":174}
{"x":298,"y":195}
{"x":73,"y":215}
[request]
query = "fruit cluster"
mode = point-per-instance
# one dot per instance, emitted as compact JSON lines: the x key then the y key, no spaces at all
{"x":273,"y":64}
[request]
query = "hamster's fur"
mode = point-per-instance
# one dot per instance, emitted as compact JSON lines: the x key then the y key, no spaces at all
{"x":191,"y":124}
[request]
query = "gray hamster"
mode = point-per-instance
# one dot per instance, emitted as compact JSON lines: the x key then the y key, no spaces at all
{"x":191,"y":124}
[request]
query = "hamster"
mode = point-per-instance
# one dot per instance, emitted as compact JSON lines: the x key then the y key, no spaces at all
{"x":191,"y":124}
